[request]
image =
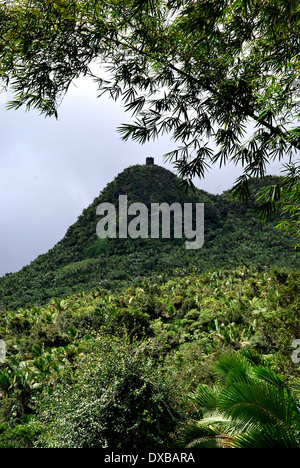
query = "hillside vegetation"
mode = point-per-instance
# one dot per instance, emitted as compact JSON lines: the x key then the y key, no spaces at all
{"x":81,"y":261}
{"x":140,"y":343}
{"x":121,"y":370}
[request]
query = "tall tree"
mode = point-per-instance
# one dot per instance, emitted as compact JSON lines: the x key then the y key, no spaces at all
{"x":219,"y":76}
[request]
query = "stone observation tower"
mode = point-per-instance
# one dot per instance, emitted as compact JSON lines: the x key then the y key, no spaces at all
{"x":149,"y":161}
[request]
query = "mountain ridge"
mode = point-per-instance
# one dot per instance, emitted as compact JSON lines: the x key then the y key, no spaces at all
{"x":82,"y":261}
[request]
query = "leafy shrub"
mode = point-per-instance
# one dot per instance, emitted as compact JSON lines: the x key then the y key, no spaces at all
{"x":20,"y":435}
{"x":135,"y":322}
{"x":117,"y":399}
{"x":19,"y":324}
{"x":190,"y":364}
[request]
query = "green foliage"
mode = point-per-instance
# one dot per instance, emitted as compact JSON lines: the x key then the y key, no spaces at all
{"x":21,"y":435}
{"x":229,"y":72}
{"x":127,"y":361}
{"x":105,"y":339}
{"x":283,"y":197}
{"x":82,"y":262}
{"x":116,"y":398}
{"x":109,"y":338}
{"x":250,"y":407}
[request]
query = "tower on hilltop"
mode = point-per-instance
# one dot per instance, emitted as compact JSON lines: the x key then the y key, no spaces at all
{"x":149,"y":161}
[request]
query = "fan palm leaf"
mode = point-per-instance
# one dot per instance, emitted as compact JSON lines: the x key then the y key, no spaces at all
{"x":251,"y":406}
{"x":268,"y":437}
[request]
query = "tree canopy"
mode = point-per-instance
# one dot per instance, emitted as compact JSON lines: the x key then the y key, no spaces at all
{"x":219,"y":76}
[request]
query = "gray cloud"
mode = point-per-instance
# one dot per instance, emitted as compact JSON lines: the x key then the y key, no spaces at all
{"x":51,"y":170}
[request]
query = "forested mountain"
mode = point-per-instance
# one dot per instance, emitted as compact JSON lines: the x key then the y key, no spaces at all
{"x":140,"y":343}
{"x":143,"y":344}
{"x":82,"y":261}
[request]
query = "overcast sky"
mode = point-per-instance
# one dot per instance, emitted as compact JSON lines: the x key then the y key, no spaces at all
{"x":50,"y":170}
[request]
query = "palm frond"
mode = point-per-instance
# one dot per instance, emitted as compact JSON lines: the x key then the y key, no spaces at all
{"x":251,"y":407}
{"x":269,"y":437}
{"x":258,"y":402}
{"x":252,"y":356}
{"x":210,"y":432}
{"x":205,"y":396}
{"x":231,"y":367}
{"x":219,"y":441}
